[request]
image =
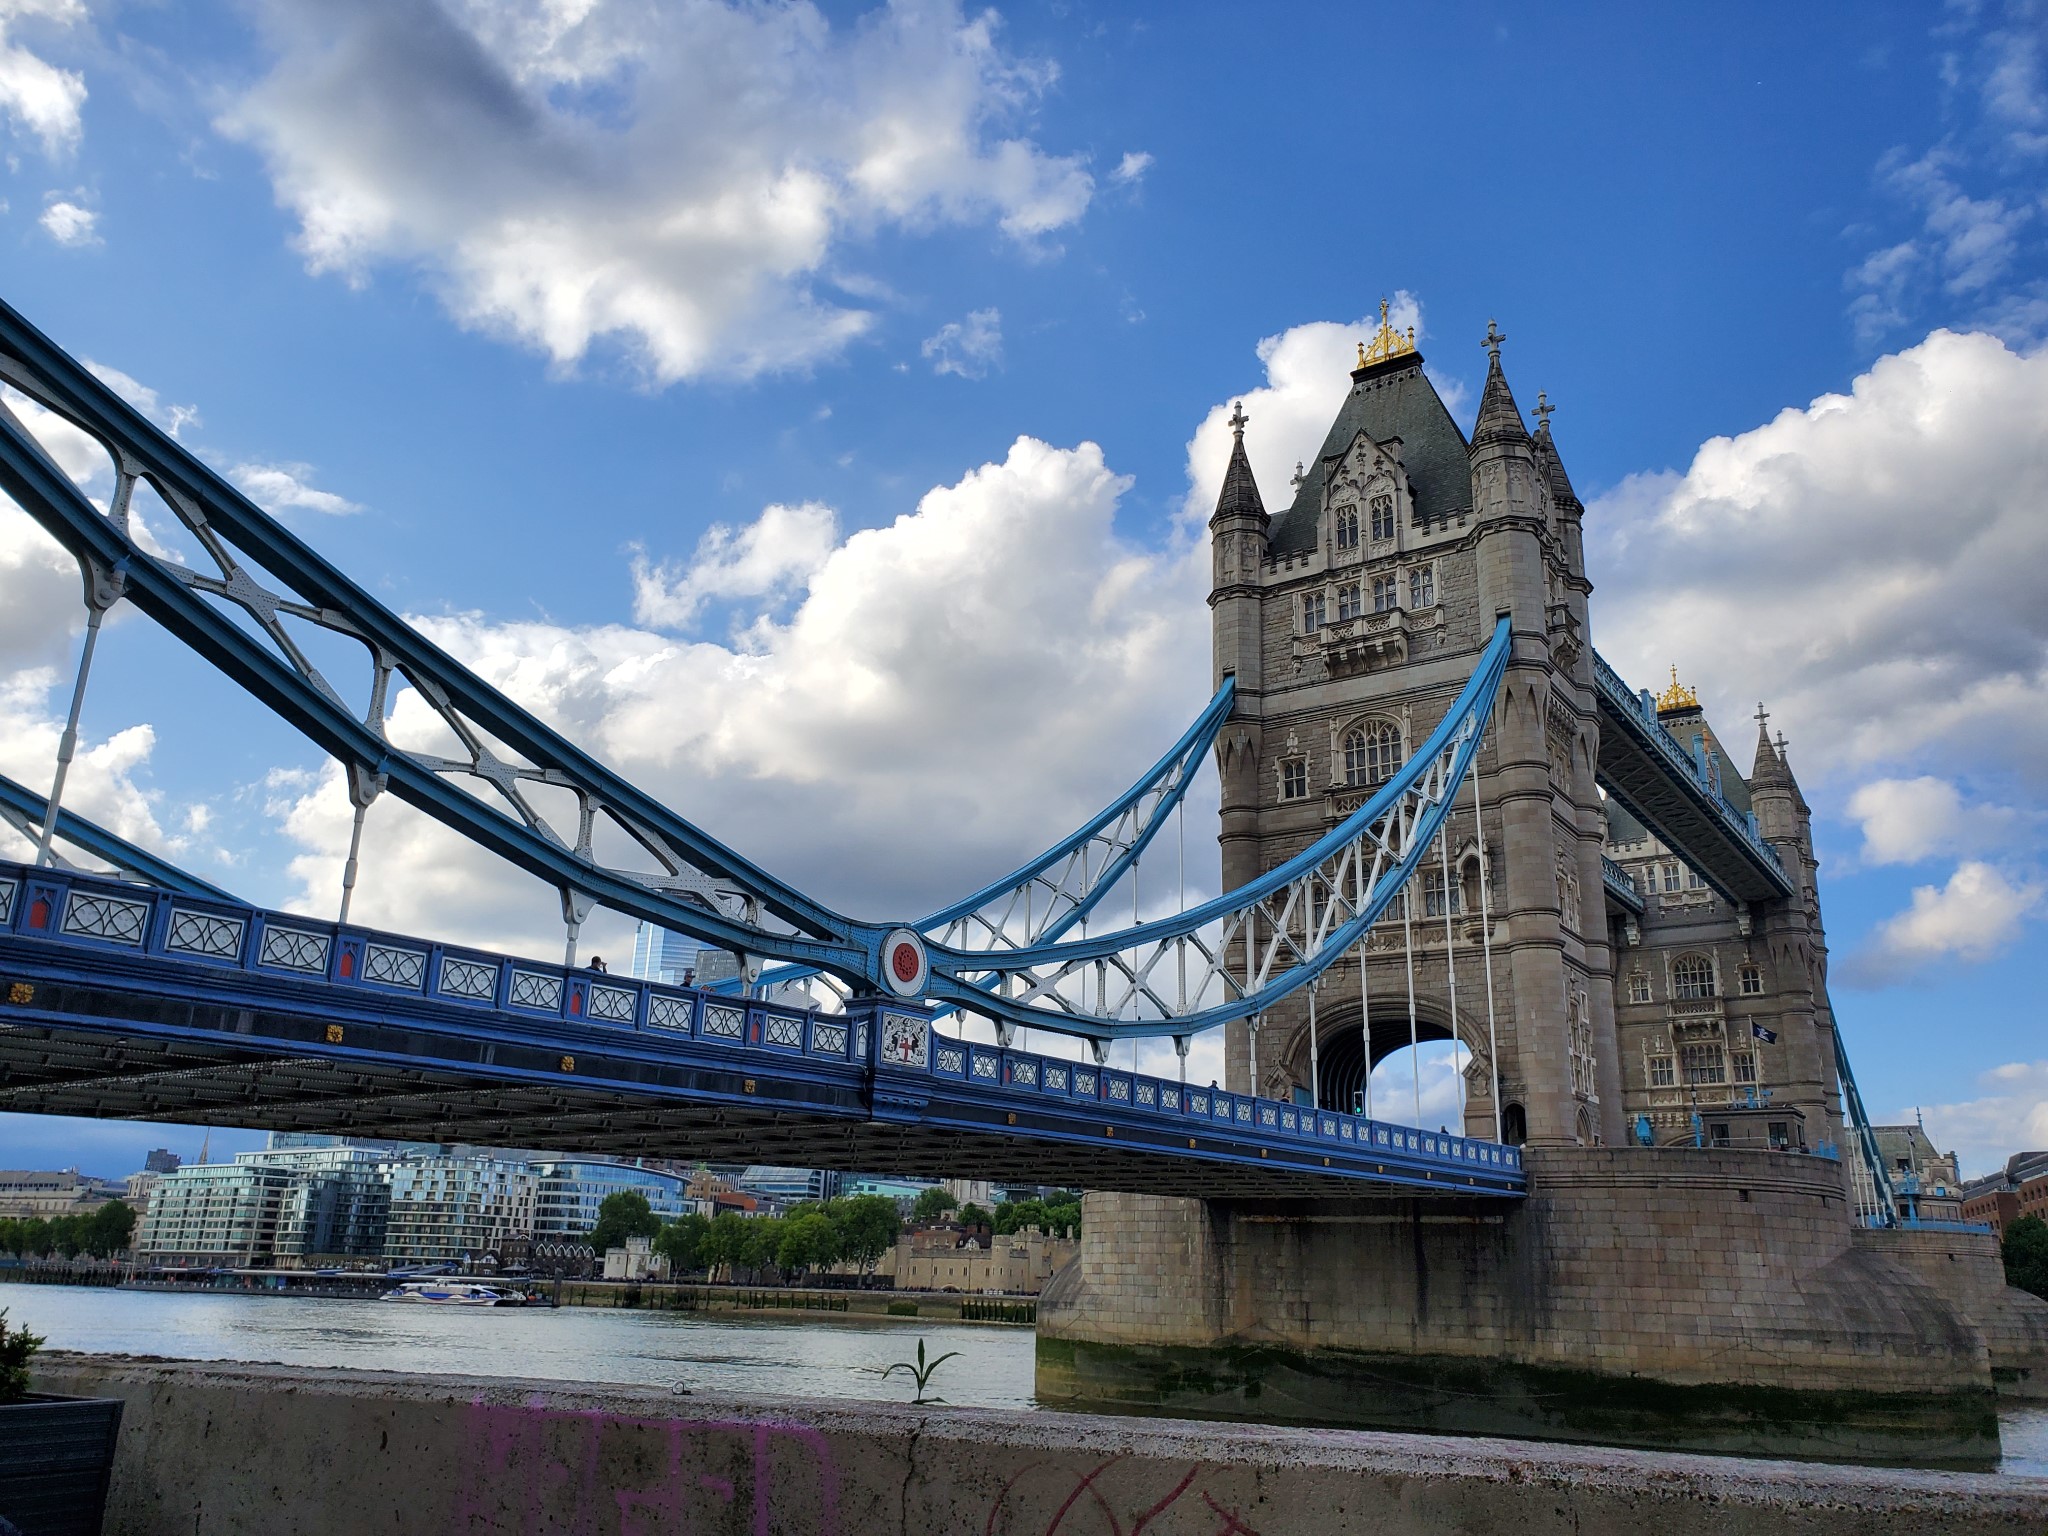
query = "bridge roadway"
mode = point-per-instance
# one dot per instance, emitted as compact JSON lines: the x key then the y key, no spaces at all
{"x":126,"y":1001}
{"x":1668,"y":789}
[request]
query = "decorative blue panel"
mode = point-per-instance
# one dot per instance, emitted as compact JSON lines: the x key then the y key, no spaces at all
{"x":1024,"y":1070}
{"x":781,"y":1029}
{"x":206,"y":934}
{"x":294,"y":949}
{"x":987,"y":1068}
{"x":1198,"y":1103}
{"x":1119,"y":1089}
{"x":828,"y":1038}
{"x":89,"y":915}
{"x":530,"y":989}
{"x":1148,"y":1095}
{"x":7,"y":890}
{"x":1169,"y":1098}
{"x":470,"y":979}
{"x":951,"y":1059}
{"x":390,"y":966}
{"x":723,"y":1021}
{"x":1289,"y":1121}
{"x":1244,"y":1112}
{"x":671,"y":1013}
{"x":1269,"y":1116}
{"x":1084,"y":1083}
{"x":1055,"y":1077}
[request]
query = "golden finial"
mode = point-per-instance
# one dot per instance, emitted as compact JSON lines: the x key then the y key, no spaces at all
{"x":1676,"y":697}
{"x":1386,"y":342}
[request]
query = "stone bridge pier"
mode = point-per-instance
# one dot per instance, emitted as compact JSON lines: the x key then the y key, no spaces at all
{"x":1679,"y":1298}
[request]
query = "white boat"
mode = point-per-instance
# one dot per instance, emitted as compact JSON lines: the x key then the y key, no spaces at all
{"x":451,"y":1293}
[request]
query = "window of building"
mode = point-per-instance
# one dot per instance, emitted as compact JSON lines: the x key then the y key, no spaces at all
{"x":1382,"y":517}
{"x":1670,"y":877}
{"x":1638,"y":987}
{"x":1422,"y":587}
{"x":1745,"y":1066}
{"x":1314,"y":613}
{"x":1752,"y":981}
{"x":1294,"y":778}
{"x":1433,"y":895}
{"x":1692,"y":976}
{"x":1693,"y":882}
{"x":1349,"y":603}
{"x":1372,"y":753}
{"x":1386,"y":594}
{"x":1347,"y":527}
{"x":1663,"y":1074}
{"x":1703,"y":1064}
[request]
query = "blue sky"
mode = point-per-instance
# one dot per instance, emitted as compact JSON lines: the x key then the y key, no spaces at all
{"x":806,"y":406}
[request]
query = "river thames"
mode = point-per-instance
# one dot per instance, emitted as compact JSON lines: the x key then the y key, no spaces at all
{"x":813,"y":1358}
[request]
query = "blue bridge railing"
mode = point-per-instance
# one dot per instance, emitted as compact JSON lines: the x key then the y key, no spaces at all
{"x":192,"y":944}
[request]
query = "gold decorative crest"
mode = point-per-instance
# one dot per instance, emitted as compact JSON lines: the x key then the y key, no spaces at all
{"x":1677,"y":696}
{"x":1386,"y":342}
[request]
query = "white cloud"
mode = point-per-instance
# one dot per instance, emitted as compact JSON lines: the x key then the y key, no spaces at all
{"x":277,"y":487}
{"x":688,"y":183}
{"x":1871,"y":563}
{"x":950,"y":693}
{"x":1974,"y":917}
{"x":68,"y":223}
{"x":1132,"y":167}
{"x":37,"y":97}
{"x":773,"y":555}
{"x":172,"y":418}
{"x":970,"y":347}
{"x":1907,"y":820}
{"x":2010,"y":1115}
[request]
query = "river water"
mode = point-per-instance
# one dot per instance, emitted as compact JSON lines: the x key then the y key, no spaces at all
{"x":814,"y":1358}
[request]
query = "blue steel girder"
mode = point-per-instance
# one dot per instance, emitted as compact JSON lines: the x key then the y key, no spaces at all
{"x":122,"y":1001}
{"x":255,"y":650}
{"x":1288,"y":926}
{"x":23,"y":809}
{"x":1046,"y":897}
{"x":1659,"y":783}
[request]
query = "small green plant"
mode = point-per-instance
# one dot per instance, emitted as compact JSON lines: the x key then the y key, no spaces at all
{"x":18,"y":1345}
{"x":920,"y":1373}
{"x":903,"y":1309}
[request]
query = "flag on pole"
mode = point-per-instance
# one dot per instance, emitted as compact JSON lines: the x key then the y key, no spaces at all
{"x":1768,"y":1036}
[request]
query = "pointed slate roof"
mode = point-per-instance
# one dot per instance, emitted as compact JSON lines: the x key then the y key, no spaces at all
{"x":1769,"y":769}
{"x":1500,"y":419}
{"x":1240,"y":493}
{"x":1560,"y":483}
{"x":1387,"y":400}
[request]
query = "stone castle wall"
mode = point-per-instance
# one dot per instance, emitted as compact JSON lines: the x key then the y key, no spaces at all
{"x":1687,"y":1266}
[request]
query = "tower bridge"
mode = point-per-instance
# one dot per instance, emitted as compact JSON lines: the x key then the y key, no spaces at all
{"x":1442,"y":817}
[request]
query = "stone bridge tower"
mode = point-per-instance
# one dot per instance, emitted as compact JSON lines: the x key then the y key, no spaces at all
{"x":1351,"y":620}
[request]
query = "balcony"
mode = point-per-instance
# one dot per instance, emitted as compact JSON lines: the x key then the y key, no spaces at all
{"x":1367,"y":642}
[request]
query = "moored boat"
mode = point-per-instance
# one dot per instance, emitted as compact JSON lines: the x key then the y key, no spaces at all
{"x":453,"y":1293}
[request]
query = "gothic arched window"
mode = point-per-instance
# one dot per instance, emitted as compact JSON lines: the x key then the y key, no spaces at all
{"x":1349,"y":604}
{"x":1692,"y":976}
{"x":1372,"y":753}
{"x":1386,"y":593}
{"x":1347,"y":527}
{"x":1382,"y":517}
{"x":1752,"y":981}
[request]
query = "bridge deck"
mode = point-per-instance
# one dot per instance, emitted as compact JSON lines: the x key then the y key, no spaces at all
{"x":1660,"y":784}
{"x":124,"y":1001}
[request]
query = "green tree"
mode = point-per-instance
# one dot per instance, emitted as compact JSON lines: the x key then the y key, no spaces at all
{"x":807,"y":1240}
{"x":933,"y":1204}
{"x":623,"y":1215}
{"x":67,"y":1234}
{"x":35,"y":1238}
{"x":867,"y":1224}
{"x":681,"y":1242}
{"x":2025,"y":1250}
{"x":109,"y":1228}
{"x":1063,"y":1219}
{"x":10,"y":1235}
{"x":724,"y":1244}
{"x":972,"y":1215}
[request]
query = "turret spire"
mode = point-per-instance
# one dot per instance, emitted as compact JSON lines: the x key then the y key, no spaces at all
{"x":1240,"y":493}
{"x":1500,"y":419}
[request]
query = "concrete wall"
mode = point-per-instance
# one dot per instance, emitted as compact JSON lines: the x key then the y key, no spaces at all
{"x":1966,"y":1268}
{"x":1689,"y":1266}
{"x":236,"y":1450}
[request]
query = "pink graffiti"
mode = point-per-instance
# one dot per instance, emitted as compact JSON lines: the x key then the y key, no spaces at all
{"x":534,"y":1469}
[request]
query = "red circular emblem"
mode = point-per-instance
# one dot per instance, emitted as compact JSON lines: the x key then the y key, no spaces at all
{"x":903,"y":961}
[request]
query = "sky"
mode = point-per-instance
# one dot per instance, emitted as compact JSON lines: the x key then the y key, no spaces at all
{"x":814,"y":410}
